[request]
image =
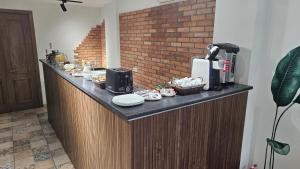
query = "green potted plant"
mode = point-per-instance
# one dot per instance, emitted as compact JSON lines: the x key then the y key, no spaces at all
{"x":285,"y":85}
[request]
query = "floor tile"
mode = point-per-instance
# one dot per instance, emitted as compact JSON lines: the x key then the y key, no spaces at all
{"x":6,"y":145}
{"x":6,"y":139}
{"x":47,"y":164}
{"x":21,"y":136}
{"x":38,"y":143}
{"x":7,"y":129}
{"x":41,"y":153}
{"x":65,"y":166}
{"x":21,"y":145}
{"x":27,"y":141}
{"x":7,"y":158}
{"x":58,"y":152}
{"x":6,"y":152}
{"x":6,"y":120}
{"x":9,"y":165}
{"x":51,"y":139}
{"x":55,"y":146}
{"x":61,"y":160}
{"x":24,"y":159}
{"x":5,"y":134}
{"x":5,"y":125}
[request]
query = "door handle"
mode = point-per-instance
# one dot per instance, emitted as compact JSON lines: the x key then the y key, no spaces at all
{"x":13,"y":71}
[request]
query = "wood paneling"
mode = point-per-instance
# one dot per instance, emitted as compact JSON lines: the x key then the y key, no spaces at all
{"x":202,"y":136}
{"x":4,"y":106}
{"x":93,"y":137}
{"x":226,"y":132}
{"x":18,"y":55}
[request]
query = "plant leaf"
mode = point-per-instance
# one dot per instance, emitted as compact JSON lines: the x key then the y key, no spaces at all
{"x":286,"y":80}
{"x":297,"y":100}
{"x":278,"y":147}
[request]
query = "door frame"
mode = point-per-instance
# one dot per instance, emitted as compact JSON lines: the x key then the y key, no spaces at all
{"x":34,"y":49}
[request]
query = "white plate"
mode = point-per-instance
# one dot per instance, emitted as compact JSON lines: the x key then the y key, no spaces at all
{"x":128,"y":100}
{"x":78,"y":74}
{"x":96,"y":72}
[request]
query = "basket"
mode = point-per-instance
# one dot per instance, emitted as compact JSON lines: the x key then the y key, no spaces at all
{"x":189,"y":90}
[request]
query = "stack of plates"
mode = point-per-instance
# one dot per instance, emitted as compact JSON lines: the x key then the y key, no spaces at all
{"x":128,"y":100}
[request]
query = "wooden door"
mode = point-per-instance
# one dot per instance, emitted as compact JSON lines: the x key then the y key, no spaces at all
{"x":19,"y":75}
{"x":4,"y":105}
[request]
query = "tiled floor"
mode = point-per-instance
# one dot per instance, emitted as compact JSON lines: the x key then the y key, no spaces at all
{"x":27,"y":141}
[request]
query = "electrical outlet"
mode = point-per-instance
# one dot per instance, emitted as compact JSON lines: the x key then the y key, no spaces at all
{"x":135,"y":69}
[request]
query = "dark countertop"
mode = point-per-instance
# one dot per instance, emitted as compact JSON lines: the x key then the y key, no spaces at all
{"x":148,"y":108}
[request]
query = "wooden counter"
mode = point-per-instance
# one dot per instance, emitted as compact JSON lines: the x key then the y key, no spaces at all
{"x":206,"y":135}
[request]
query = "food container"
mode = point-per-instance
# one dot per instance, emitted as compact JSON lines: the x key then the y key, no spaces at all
{"x":187,"y":86}
{"x":189,"y":90}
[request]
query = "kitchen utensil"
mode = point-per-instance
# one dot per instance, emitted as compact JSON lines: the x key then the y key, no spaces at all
{"x":128,"y":100}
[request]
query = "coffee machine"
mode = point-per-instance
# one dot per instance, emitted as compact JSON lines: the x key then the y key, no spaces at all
{"x":218,"y":67}
{"x":227,"y":60}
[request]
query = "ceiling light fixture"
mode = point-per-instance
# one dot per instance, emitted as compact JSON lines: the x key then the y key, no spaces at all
{"x":63,"y":7}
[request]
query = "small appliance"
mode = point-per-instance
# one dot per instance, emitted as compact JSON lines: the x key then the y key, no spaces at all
{"x":209,"y":71}
{"x":218,"y":67}
{"x":119,"y":81}
{"x":226,"y":57}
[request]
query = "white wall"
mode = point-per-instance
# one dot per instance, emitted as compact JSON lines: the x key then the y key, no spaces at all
{"x":241,"y":23}
{"x":64,"y":30}
{"x":282,"y":36}
{"x":133,"y":5}
{"x":266,"y":30}
{"x":110,"y":14}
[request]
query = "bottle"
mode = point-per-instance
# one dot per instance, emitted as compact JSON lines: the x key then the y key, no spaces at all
{"x":87,"y":68}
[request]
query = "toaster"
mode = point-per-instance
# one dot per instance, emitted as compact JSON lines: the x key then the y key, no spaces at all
{"x":119,"y":81}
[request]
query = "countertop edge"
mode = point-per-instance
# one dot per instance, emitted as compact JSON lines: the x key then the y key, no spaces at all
{"x":187,"y":105}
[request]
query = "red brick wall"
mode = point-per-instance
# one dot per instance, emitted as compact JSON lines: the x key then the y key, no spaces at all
{"x":161,"y":41}
{"x":92,"y":48}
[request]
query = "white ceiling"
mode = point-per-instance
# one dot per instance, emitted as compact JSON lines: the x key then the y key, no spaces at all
{"x":89,"y":3}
